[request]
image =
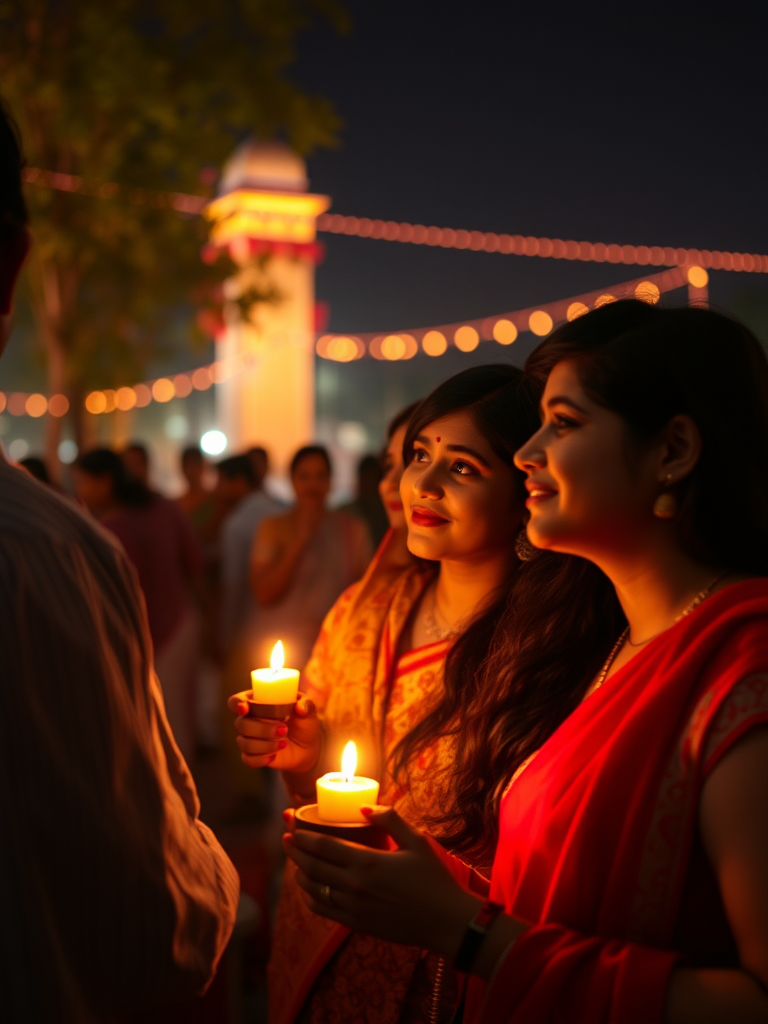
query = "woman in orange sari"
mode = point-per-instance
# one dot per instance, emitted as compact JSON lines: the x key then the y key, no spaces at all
{"x":394,"y":669}
{"x":630,"y":882}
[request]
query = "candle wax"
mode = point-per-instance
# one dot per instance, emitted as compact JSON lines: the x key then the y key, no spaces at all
{"x":340,"y":797}
{"x":275,"y":685}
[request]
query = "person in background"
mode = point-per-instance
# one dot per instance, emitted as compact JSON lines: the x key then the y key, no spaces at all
{"x":237,"y":534}
{"x":115,"y":896}
{"x":197,"y":503}
{"x":135,"y":458}
{"x":260,"y":460}
{"x":367,"y":505}
{"x":301,"y":562}
{"x":392,"y":471}
{"x":160,"y":543}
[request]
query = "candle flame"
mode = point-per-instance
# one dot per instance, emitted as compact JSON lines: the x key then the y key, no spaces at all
{"x":277,"y":659}
{"x":349,"y":761}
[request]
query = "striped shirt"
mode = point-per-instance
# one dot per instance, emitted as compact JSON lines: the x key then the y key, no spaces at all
{"x":113,"y":895}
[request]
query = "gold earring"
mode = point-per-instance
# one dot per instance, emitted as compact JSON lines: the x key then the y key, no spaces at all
{"x":665,"y":506}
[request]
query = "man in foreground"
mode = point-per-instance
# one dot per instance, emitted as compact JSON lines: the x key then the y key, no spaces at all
{"x":113,"y":895}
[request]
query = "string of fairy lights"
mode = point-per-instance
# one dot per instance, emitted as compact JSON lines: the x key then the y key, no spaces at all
{"x":688,"y":267}
{"x":464,"y":335}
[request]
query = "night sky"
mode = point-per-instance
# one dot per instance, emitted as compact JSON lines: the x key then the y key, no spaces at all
{"x":602,"y":122}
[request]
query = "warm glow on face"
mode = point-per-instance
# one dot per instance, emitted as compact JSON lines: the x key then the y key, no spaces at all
{"x":349,"y":761}
{"x":575,"y":310}
{"x":466,"y":339}
{"x":434,"y":343}
{"x":277,"y":658}
{"x":698,"y":277}
{"x":505,"y":332}
{"x":540,"y":322}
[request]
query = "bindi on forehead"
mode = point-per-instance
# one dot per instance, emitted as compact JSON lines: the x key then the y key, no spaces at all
{"x":437,"y":439}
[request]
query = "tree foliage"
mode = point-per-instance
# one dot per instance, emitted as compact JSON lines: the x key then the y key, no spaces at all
{"x":152,"y":95}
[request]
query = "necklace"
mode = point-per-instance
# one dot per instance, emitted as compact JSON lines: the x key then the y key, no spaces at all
{"x":701,"y":596}
{"x":431,"y":626}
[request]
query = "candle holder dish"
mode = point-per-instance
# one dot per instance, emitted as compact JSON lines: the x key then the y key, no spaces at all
{"x":355,"y":832}
{"x":277,"y":711}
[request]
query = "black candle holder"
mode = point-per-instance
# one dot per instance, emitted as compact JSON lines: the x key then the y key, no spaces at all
{"x":354,"y":831}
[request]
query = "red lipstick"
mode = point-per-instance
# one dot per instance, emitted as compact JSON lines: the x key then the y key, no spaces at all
{"x":426,"y":517}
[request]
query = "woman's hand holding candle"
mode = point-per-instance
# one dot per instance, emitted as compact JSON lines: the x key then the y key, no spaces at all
{"x":407,"y":895}
{"x":292,"y":746}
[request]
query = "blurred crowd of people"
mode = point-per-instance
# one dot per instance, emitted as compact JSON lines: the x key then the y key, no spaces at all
{"x":228,"y":568}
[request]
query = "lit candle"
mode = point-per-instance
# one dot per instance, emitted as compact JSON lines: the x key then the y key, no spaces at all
{"x":340,"y":795}
{"x":275,"y":685}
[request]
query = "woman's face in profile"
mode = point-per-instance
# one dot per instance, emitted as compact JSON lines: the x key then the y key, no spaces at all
{"x":311,"y":480}
{"x":461,"y":501}
{"x":591,"y":488}
{"x":389,"y":486}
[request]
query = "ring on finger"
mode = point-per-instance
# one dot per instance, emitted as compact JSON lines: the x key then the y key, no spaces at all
{"x":325,"y":892}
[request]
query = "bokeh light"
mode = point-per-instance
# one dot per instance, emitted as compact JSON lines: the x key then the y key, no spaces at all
{"x":17,"y":403}
{"x":213,"y":442}
{"x":505,"y":332}
{"x":58,"y":405}
{"x":603,"y":300}
{"x":182,"y":385}
{"x":466,"y":338}
{"x":18,"y":449}
{"x":393,"y":347}
{"x":201,"y":379}
{"x":163,"y":390}
{"x":540,"y":323}
{"x":698,"y":277}
{"x":143,"y":395}
{"x":36,"y":405}
{"x":434,"y":343}
{"x":647,"y":291}
{"x":96,"y":402}
{"x":67,"y":452}
{"x":576,"y":309}
{"x":342,"y":349}
{"x":125,"y":399}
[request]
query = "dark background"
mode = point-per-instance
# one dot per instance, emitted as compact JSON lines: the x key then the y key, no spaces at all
{"x":642,"y":124}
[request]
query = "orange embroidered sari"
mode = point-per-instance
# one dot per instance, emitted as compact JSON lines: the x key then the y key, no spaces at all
{"x":318,"y":970}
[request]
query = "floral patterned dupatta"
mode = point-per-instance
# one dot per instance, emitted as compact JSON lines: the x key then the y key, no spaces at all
{"x":365,"y":693}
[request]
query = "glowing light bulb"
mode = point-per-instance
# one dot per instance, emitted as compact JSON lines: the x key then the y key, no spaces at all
{"x":349,"y":761}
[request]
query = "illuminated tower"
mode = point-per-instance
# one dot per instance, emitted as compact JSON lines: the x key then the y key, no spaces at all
{"x":266,"y":219}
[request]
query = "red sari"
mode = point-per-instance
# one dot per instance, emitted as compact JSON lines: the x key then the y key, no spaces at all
{"x":599,"y":849}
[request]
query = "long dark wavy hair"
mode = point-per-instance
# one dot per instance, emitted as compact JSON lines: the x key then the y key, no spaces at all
{"x":649,"y":364}
{"x":524,"y":663}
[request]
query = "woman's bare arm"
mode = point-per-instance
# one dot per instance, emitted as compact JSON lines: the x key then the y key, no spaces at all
{"x":733,"y":818}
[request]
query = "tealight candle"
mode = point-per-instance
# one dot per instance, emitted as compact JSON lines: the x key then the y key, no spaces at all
{"x":340,"y":795}
{"x":275,"y":689}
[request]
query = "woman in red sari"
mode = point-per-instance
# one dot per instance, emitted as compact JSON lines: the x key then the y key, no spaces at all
{"x":395,"y":669}
{"x":630,"y":883}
